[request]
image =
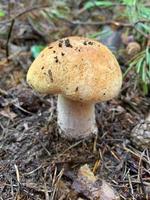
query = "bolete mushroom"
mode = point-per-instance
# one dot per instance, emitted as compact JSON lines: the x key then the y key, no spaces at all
{"x":82,"y":72}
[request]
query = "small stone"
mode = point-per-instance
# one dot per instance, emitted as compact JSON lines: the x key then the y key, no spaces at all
{"x":91,"y":187}
{"x":133,"y":48}
{"x":140,"y":134}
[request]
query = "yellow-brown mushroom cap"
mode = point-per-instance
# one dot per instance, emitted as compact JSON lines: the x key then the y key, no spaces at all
{"x":81,"y":69}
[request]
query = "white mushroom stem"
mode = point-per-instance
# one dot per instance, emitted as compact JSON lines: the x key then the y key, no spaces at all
{"x":75,"y":119}
{"x":148,"y":118}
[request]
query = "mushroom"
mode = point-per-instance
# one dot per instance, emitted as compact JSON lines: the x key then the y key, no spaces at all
{"x":82,"y":72}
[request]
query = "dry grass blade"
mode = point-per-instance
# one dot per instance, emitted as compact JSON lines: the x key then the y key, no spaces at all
{"x":55,"y":182}
{"x":131,"y":186}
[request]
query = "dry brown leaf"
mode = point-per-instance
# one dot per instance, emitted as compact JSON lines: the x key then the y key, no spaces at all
{"x":7,"y":113}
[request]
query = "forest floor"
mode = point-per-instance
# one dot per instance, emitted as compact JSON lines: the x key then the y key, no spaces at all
{"x":35,"y":162}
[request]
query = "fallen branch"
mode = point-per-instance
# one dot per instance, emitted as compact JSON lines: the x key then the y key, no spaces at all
{"x":8,"y":38}
{"x":116,"y":23}
{"x":110,"y":22}
{"x":24,"y":12}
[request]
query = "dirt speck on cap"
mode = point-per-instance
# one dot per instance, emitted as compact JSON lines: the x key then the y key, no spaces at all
{"x":85,"y":42}
{"x":67,"y":43}
{"x":56,"y":59}
{"x":77,"y":88}
{"x":90,"y":43}
{"x":60,"y":43}
{"x":50,"y":75}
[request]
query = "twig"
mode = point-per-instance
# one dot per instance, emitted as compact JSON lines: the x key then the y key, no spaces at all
{"x":18,"y":178}
{"x":131,"y":187}
{"x":109,"y":22}
{"x":17,"y":173}
{"x":16,"y":104}
{"x":24,"y":12}
{"x":136,"y":154}
{"x":94,"y":144}
{"x":46,"y":150}
{"x":96,"y":165}
{"x":31,"y":172}
{"x":12,"y":190}
{"x":46,"y":192}
{"x":53,"y":183}
{"x":139,"y":177}
{"x":75,"y":22}
{"x":8,"y":38}
{"x":22,"y":109}
{"x":29,"y":186}
{"x":142,"y":33}
{"x":142,"y":186}
{"x":57,"y":180}
{"x":12,"y":20}
{"x":118,"y":24}
{"x":54,"y":177}
{"x":3,"y":92}
{"x":112,"y":22}
{"x":113,"y":153}
{"x":134,"y":181}
{"x":72,"y":146}
{"x":139,"y":165}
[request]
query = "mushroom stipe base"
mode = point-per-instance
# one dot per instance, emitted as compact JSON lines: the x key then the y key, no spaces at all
{"x":85,"y":137}
{"x":76,"y":120}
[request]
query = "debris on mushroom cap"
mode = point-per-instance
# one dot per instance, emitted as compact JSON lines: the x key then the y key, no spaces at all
{"x":92,"y":188}
{"x":81,"y":69}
